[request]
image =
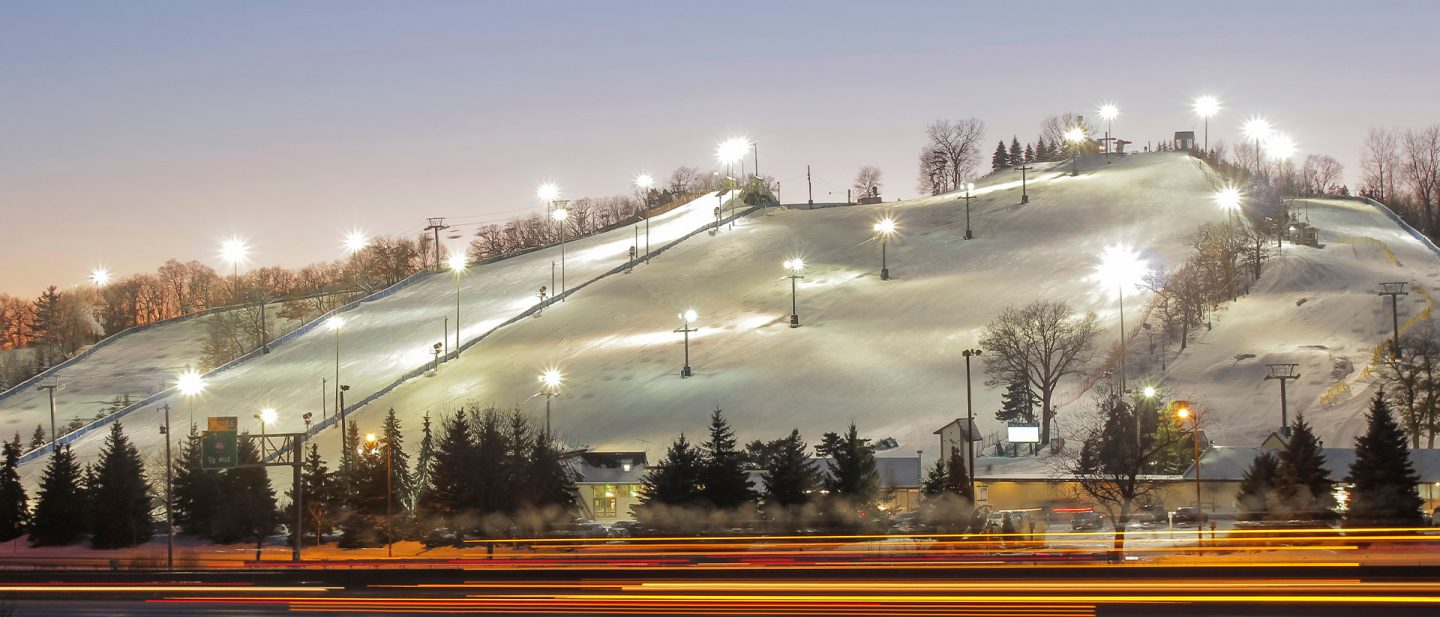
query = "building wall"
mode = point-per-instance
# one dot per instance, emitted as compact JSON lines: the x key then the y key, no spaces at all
{"x":607,"y":503}
{"x":952,"y":437}
{"x":1216,"y":497}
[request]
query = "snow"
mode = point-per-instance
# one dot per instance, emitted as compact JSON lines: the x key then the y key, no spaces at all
{"x":884,"y":354}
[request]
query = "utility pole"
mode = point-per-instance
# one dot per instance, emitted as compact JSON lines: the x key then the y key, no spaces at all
{"x":169,"y":499}
{"x":1394,"y":290}
{"x":1283,"y":372}
{"x":54,"y":438}
{"x":1024,"y":191}
{"x":344,"y":434}
{"x":435,"y":224}
{"x":970,"y":422}
{"x":809,"y":187}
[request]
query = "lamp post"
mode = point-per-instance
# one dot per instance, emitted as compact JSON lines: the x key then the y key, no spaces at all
{"x":560,"y":215}
{"x":644,"y":182}
{"x":457,"y":266}
{"x":1108,"y":113}
{"x":884,"y":229}
{"x":1394,"y":290}
{"x":54,"y":437}
{"x":549,"y":385}
{"x":344,"y":430}
{"x":169,"y":489}
{"x":266,"y":416}
{"x":796,"y":266}
{"x":1205,"y":107}
{"x":191,"y":384}
{"x":969,"y":187}
{"x":1120,"y":267}
{"x":1184,"y":411}
{"x":1076,"y":136}
{"x":1283,"y":373}
{"x":337,"y":323}
{"x":686,"y":317}
{"x":969,"y":421}
{"x":1257,"y":129}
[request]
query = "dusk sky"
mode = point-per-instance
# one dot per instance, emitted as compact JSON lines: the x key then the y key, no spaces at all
{"x":132,"y":132}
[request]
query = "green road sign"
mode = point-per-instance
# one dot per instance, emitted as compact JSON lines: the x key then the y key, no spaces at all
{"x":218,"y":446}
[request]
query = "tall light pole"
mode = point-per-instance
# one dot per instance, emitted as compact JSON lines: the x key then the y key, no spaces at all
{"x":1076,"y":136}
{"x":686,"y":318}
{"x":266,"y":416}
{"x":644,"y":183}
{"x":969,"y":421}
{"x":191,"y":384}
{"x":169,"y":499}
{"x":1120,"y":268}
{"x":729,"y":152}
{"x":1257,"y":129}
{"x":884,"y":229}
{"x":457,"y":266}
{"x":1205,"y":107}
{"x":560,"y":215}
{"x":54,"y":437}
{"x":1394,"y":290}
{"x":1283,"y":373}
{"x":550,"y":385}
{"x":1107,"y":113}
{"x":1183,"y":411}
{"x":796,"y":267}
{"x":969,"y":187}
{"x":235,"y":251}
{"x":100,"y":277}
{"x":1024,"y":184}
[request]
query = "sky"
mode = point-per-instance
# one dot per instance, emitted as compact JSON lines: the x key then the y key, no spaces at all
{"x":133,"y":132}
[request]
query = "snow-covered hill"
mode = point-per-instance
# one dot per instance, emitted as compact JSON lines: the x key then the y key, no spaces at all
{"x":885,"y":354}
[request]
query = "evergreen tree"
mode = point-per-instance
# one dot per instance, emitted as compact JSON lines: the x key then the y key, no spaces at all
{"x":1018,"y":403}
{"x":676,"y":480}
{"x":59,"y":517}
{"x":552,"y":481}
{"x":119,"y":495}
{"x":392,"y":444}
{"x":933,"y":485}
{"x":853,"y":474}
{"x":196,"y":490}
{"x":790,"y":475}
{"x":1016,"y":156}
{"x":450,"y":489}
{"x":1029,"y":153}
{"x":247,"y":501}
{"x":957,"y":477}
{"x":1000,"y":160}
{"x":37,"y":439}
{"x":322,"y":495}
{"x":1257,"y":486}
{"x":1383,"y":477}
{"x":45,"y":319}
{"x":14,"y":505}
{"x":347,"y":457}
{"x":365,"y":503}
{"x":494,"y":485}
{"x":424,"y":462}
{"x":723,"y":481}
{"x":1302,"y":484}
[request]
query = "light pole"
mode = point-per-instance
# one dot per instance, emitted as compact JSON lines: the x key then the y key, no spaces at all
{"x":1108,"y":113}
{"x":796,"y":266}
{"x":1024,"y":184}
{"x":337,"y":323}
{"x":1283,"y":373}
{"x":344,"y":432}
{"x":191,"y":384}
{"x":644,"y":183}
{"x":457,"y":266}
{"x":1076,"y":136}
{"x":969,"y":422}
{"x":560,"y":215}
{"x":1394,"y":290}
{"x":236,"y":251}
{"x":549,"y":384}
{"x":969,"y":187}
{"x":169,"y":488}
{"x":371,"y":440}
{"x":1120,"y":267}
{"x":1257,"y":129}
{"x":1205,"y":107}
{"x":1184,"y":411}
{"x":728,"y":153}
{"x":686,"y":318}
{"x":266,"y":416}
{"x":884,"y":229}
{"x":54,"y":438}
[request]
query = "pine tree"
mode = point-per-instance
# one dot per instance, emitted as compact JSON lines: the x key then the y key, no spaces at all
{"x":450,"y":481}
{"x":790,"y":476}
{"x":347,"y":456}
{"x":1018,"y":403}
{"x":853,"y":474}
{"x":957,"y":477}
{"x":322,"y":496}
{"x":365,"y":503}
{"x":196,"y":490}
{"x":59,"y":517}
{"x":1383,"y":477}
{"x":119,"y":495}
{"x":934,"y":484}
{"x":14,"y":505}
{"x":37,"y":439}
{"x":45,"y":323}
{"x":1016,"y":156}
{"x":723,"y":480}
{"x":676,"y":480}
{"x":1000,"y":160}
{"x":1302,"y":484}
{"x":552,"y":481}
{"x":1257,"y":486}
{"x":247,"y":501}
{"x":392,"y":444}
{"x":1029,"y":153}
{"x":424,"y":462}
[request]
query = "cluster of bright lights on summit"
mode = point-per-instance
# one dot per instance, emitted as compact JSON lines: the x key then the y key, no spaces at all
{"x":732,"y":150}
{"x":1273,"y":144}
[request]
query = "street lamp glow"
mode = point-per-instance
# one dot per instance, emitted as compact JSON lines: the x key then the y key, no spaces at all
{"x":885,"y":227}
{"x":644,"y":182}
{"x":1228,"y":199}
{"x":100,"y":277}
{"x":732,"y":150}
{"x":969,"y":187}
{"x":551,"y":379}
{"x":1257,"y":129}
{"x":559,"y":215}
{"x":1279,"y":146}
{"x":234,"y":251}
{"x":268,"y":415}
{"x":1183,"y":412}
{"x":1120,"y":268}
{"x":1108,"y":111}
{"x":355,"y":241}
{"x":335,"y":323}
{"x":456,"y":263}
{"x":796,"y":265}
{"x":1075,"y":135}
{"x":1149,"y":391}
{"x":371,"y":438}
{"x":548,"y":192}
{"x":1207,"y":106}
{"x":689,"y":315}
{"x":190,"y":383}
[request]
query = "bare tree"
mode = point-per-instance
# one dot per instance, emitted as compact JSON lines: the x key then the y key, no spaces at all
{"x":1040,"y":343}
{"x":959,"y":143}
{"x":1054,"y":127}
{"x":867,"y":181}
{"x":1420,"y":169}
{"x":1319,"y":172}
{"x":1379,"y":158}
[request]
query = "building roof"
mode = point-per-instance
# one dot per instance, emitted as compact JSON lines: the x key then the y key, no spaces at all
{"x":966,"y":428}
{"x":1230,"y":463}
{"x":895,"y":471}
{"x":1184,"y":134}
{"x":611,"y":467}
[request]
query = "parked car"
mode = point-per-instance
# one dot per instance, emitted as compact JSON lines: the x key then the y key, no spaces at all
{"x":906,"y":522}
{"x":624,"y":529}
{"x":1186,"y":515}
{"x":1087,"y":521}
